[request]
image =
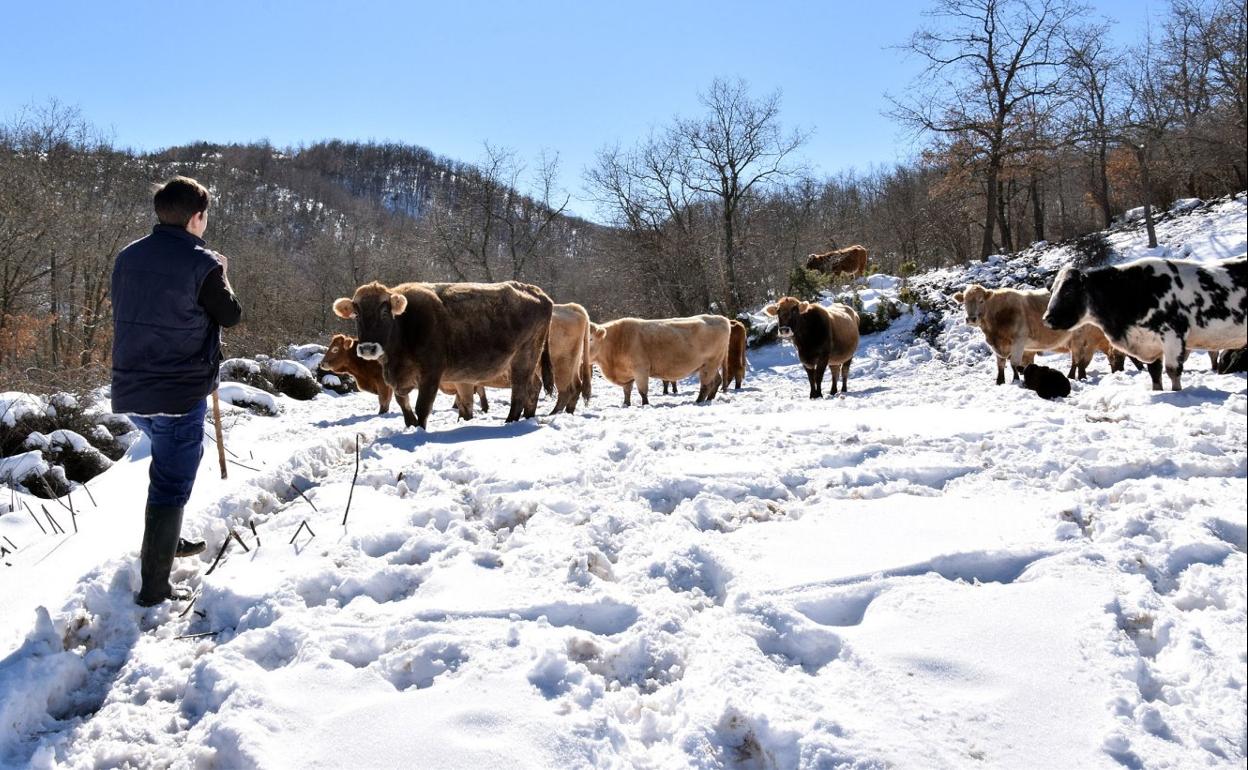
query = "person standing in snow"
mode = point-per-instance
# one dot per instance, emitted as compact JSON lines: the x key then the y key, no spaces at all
{"x":170,"y":301}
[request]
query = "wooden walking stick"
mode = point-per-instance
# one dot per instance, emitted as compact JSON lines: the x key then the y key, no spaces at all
{"x":216,"y":420}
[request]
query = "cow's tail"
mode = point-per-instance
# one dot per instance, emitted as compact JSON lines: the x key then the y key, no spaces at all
{"x":548,"y":371}
{"x":587,"y":366}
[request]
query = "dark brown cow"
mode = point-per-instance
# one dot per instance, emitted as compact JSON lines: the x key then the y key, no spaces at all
{"x":460,"y":332}
{"x":734,"y":364}
{"x":342,"y":358}
{"x":568,"y":343}
{"x":822,"y":336}
{"x":851,"y":260}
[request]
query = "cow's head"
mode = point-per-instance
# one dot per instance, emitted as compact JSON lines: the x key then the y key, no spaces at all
{"x":339,"y":355}
{"x":1068,"y":305}
{"x":787,"y":310}
{"x":374,"y":308}
{"x":974,"y":298}
{"x":816,"y":261}
{"x":597,"y":334}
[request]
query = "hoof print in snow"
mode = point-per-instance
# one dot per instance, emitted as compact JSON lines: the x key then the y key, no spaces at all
{"x":694,"y":570}
{"x":791,"y":639}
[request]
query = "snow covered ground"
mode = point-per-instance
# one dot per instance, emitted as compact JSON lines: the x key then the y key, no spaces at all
{"x":932,"y":571}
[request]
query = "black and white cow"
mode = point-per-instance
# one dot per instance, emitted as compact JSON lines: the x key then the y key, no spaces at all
{"x":1157,"y":309}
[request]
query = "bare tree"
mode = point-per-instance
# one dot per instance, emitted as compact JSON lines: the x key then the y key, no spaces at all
{"x":1094,"y":68}
{"x":986,"y":59}
{"x":1145,"y":119}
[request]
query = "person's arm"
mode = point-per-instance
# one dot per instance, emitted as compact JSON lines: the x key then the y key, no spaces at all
{"x":218,"y":300}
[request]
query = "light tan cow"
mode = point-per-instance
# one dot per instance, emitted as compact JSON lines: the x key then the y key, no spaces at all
{"x":1011,"y":320}
{"x":569,"y":358}
{"x":632,"y":350}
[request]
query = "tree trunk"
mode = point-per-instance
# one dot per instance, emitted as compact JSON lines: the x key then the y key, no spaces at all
{"x":1106,"y":213}
{"x":53,"y":299}
{"x":1003,"y":219}
{"x":1141,"y":154}
{"x":1037,"y":207}
{"x":990,"y":217}
{"x":1061,"y":199}
{"x":730,"y":260}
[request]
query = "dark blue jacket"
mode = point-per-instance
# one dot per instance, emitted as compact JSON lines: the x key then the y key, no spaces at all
{"x":166,"y":347}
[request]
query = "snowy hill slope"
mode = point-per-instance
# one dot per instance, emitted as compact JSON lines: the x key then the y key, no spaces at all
{"x":930,"y":571}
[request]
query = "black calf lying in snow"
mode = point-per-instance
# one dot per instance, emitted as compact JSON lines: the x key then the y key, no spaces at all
{"x":1048,"y":383}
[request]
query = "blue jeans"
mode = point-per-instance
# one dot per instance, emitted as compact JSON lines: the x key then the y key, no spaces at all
{"x":177,"y":446}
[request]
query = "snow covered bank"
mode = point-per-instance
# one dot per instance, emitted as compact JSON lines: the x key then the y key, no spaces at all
{"x":930,"y":571}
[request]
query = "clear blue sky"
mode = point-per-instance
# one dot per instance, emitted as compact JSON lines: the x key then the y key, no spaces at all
{"x":567,"y":76}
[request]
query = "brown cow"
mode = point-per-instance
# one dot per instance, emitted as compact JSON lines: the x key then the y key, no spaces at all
{"x":851,"y":260}
{"x":734,"y":364}
{"x":822,"y":336}
{"x":632,"y":350}
{"x":1011,"y":320}
{"x":342,"y":358}
{"x":569,"y":357}
{"x":459,"y":332}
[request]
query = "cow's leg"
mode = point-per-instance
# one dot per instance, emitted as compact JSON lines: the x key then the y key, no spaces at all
{"x":384,"y":393}
{"x":1213,"y":360}
{"x":409,"y":417}
{"x":1173,"y":354}
{"x":643,"y":388}
{"x":463,"y":400}
{"x":1019,"y":357}
{"x":1000,"y":370}
{"x":810,"y":377}
{"x":628,"y":393}
{"x":535,"y":392}
{"x":425,"y":396}
{"x":1117,"y":360}
{"x":1154,"y":371}
{"x":845,"y":377}
{"x":709,"y":377}
{"x":820,"y":369}
{"x":485,"y":402}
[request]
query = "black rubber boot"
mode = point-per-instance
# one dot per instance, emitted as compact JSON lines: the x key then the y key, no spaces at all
{"x":160,"y":543}
{"x":189,"y":548}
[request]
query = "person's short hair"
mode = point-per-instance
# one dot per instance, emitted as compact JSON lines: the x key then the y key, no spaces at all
{"x":179,"y":199}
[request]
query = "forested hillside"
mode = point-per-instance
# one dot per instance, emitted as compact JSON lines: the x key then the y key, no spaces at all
{"x":709,"y":212}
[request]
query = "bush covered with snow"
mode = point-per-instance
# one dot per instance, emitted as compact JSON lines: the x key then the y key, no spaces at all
{"x":63,"y":437}
{"x":272,"y":375}
{"x":246,"y":397}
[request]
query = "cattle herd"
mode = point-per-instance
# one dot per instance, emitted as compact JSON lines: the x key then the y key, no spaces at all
{"x":459,"y":338}
{"x":1155,"y":311}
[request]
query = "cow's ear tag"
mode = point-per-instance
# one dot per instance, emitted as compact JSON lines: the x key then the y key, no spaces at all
{"x":398,"y":303}
{"x":343,"y":308}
